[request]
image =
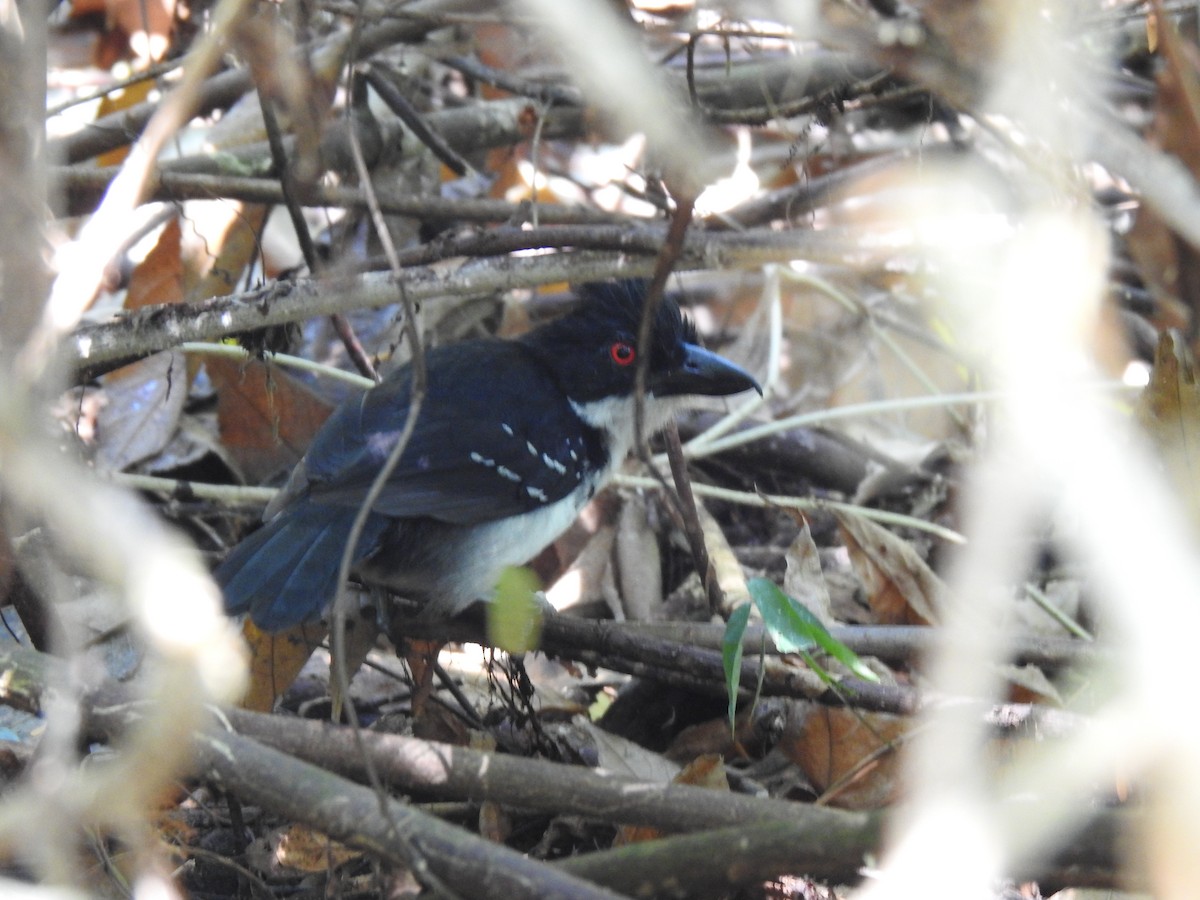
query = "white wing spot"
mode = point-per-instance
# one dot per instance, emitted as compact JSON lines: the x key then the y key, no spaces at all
{"x":505,"y":472}
{"x":482,"y":460}
{"x":536,"y":492}
{"x":507,"y":428}
{"x":532,"y":449}
{"x":381,"y":443}
{"x":554,"y":464}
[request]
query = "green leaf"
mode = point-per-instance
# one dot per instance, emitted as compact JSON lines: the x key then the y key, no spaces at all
{"x":796,"y":630}
{"x":731,"y":655}
{"x":514,"y":615}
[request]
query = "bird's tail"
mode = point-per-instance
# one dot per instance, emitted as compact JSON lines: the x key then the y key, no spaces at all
{"x":285,"y":574}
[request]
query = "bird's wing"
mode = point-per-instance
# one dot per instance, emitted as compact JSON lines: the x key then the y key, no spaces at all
{"x":473,"y":457}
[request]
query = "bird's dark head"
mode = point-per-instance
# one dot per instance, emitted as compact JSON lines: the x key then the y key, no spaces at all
{"x":594,"y":350}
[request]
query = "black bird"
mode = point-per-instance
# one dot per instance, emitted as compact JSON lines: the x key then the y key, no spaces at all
{"x":512,"y":440}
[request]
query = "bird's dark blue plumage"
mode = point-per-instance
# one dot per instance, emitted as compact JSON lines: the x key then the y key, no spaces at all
{"x":512,"y":439}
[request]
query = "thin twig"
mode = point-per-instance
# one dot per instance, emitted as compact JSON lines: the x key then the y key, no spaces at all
{"x":408,"y":114}
{"x":288,"y":185}
{"x":691,"y":521}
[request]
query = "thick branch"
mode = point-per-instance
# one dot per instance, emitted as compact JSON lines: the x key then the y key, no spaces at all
{"x":394,"y":831}
{"x":84,"y":187}
{"x":153,"y":329}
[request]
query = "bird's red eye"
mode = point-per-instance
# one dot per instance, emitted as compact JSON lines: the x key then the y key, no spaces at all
{"x":622,"y":353}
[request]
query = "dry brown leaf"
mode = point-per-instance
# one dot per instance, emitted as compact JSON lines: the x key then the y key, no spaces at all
{"x":495,"y":824}
{"x":1164,"y":262}
{"x":300,"y":99}
{"x":704,"y":771}
{"x":175,"y":826}
{"x":230,"y":234}
{"x":267,"y":418}
{"x":141,"y":414}
{"x":1155,"y":251}
{"x":159,"y":278}
{"x":144,"y":400}
{"x":704,"y":738}
{"x":580,"y":739}
{"x":754,"y":732}
{"x":1169,"y":410}
{"x":847,"y":755}
{"x":361,"y":636}
{"x":276,"y":660}
{"x":148,"y":24}
{"x":803,"y":580}
{"x":1177,"y":122}
{"x":301,"y":849}
{"x":901,"y":588}
{"x":118,"y":100}
{"x":638,"y":562}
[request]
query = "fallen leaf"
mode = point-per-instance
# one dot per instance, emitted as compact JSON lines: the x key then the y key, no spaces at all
{"x":704,"y":771}
{"x":593,"y":746}
{"x":495,"y":824}
{"x":848,"y":756}
{"x":724,"y":562}
{"x":267,"y":418}
{"x":276,"y":660}
{"x":301,"y":849}
{"x":1169,"y":410}
{"x":159,"y":277}
{"x":803,"y":580}
{"x":141,"y":414}
{"x":638,"y":562}
{"x":901,"y":588}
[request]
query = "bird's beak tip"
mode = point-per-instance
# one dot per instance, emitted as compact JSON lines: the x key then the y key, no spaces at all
{"x":705,"y":373}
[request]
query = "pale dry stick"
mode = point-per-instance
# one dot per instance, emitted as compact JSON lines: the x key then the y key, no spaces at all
{"x":884,"y":517}
{"x":535,"y":146}
{"x":285,"y":360}
{"x":1046,"y":605}
{"x":239,"y":495}
{"x":161,"y":328}
{"x":877,"y":407}
{"x":770,"y":382}
{"x":233,"y":495}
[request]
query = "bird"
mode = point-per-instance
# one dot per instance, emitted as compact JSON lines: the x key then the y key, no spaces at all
{"x":512,"y":439}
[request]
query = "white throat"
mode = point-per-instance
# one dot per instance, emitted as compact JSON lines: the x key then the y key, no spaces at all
{"x":615,"y":416}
